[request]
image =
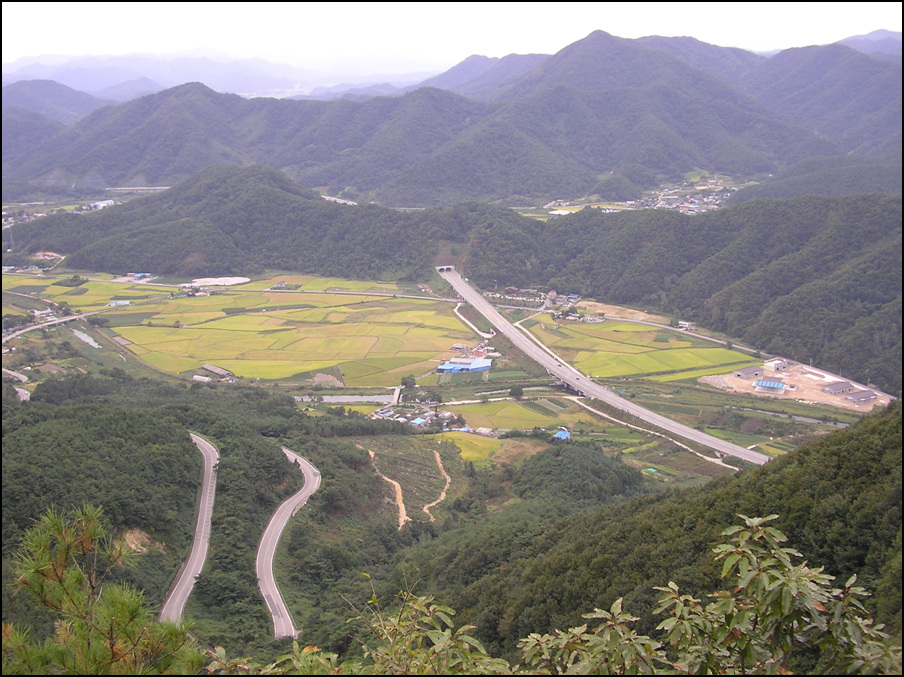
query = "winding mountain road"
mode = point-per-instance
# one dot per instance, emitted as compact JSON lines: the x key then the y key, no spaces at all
{"x":282,"y":619}
{"x":185,"y":580}
{"x":561,"y":370}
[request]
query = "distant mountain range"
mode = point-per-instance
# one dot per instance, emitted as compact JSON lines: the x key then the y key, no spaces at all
{"x":605,"y":116}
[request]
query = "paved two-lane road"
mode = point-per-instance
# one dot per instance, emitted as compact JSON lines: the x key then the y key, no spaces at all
{"x":185,"y":581}
{"x":282,"y":620}
{"x":567,"y":374}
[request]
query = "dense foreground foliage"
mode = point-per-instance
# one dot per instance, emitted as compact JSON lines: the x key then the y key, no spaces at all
{"x":777,"y":610}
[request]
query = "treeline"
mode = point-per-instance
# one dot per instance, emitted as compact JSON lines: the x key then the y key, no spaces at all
{"x":839,"y":501}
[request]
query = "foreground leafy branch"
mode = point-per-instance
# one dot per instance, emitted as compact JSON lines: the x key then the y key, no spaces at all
{"x":777,"y":609}
{"x":776,"y":612}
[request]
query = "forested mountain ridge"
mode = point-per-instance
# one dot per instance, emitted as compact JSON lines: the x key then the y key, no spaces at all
{"x":604,"y":116}
{"x":805,"y":278}
{"x":228,"y":219}
{"x":831,"y":176}
{"x":52,"y":100}
{"x":836,"y":92}
{"x":530,"y":568}
{"x":123,"y":443}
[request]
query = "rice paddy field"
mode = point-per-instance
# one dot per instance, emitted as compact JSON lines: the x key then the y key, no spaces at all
{"x":619,"y":349}
{"x":258,"y":333}
{"x":373,"y":341}
{"x":529,"y":414}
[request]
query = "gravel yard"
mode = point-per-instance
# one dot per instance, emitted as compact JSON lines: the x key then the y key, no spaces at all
{"x":807,"y":387}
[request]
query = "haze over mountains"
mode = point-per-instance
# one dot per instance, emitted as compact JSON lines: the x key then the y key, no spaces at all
{"x":605,"y":116}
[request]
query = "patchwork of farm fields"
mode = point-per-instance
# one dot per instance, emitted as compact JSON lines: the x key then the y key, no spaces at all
{"x":613,"y":349}
{"x":373,"y":341}
{"x":306,"y":325}
{"x":255,"y":332}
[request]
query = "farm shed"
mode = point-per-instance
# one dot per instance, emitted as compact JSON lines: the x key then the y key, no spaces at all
{"x":838,"y":388}
{"x":464,"y":365}
{"x":776,"y":364}
{"x":749,"y":372}
{"x":861,"y":396}
{"x":216,"y":370}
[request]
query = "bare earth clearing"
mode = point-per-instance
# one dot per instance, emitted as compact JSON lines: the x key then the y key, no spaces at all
{"x":622,"y":313}
{"x":807,"y":384}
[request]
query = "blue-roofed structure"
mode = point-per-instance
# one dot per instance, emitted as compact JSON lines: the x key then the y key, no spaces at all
{"x":562,"y":435}
{"x":460,"y":365}
{"x":769,"y":386}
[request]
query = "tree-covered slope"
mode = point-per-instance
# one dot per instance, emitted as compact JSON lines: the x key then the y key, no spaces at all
{"x":833,"y":176}
{"x":123,"y":443}
{"x":24,"y":129}
{"x":227,"y":219}
{"x":836,"y":92}
{"x":805,"y":278}
{"x":839,"y":501}
{"x":52,"y":100}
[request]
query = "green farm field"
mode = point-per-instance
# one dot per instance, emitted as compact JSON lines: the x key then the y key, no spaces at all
{"x":527,"y":415}
{"x":620,"y":349}
{"x":373,"y":341}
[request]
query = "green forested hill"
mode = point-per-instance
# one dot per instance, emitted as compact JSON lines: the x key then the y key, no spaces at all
{"x":604,"y":116}
{"x":831,"y":176}
{"x":432,"y":147}
{"x":805,"y":278}
{"x":532,"y":567}
{"x":140,"y":465}
{"x":52,"y":100}
{"x":23,"y":130}
{"x":228,"y":219}
{"x":835,"y":91}
{"x":123,"y":443}
{"x":839,"y":501}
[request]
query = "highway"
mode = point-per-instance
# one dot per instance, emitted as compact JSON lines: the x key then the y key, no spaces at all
{"x":185,"y":580}
{"x":282,"y":620}
{"x":580,"y":383}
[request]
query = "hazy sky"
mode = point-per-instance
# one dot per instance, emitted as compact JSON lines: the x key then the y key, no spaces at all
{"x":396,"y":37}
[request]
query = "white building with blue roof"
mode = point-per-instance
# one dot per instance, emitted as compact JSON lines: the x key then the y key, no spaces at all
{"x":461,"y":365}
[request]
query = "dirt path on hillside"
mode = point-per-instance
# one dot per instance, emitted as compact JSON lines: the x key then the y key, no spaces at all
{"x":403,"y":514}
{"x":442,"y":494}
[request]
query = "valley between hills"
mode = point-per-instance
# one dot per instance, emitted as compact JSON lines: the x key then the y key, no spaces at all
{"x":559,"y":322}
